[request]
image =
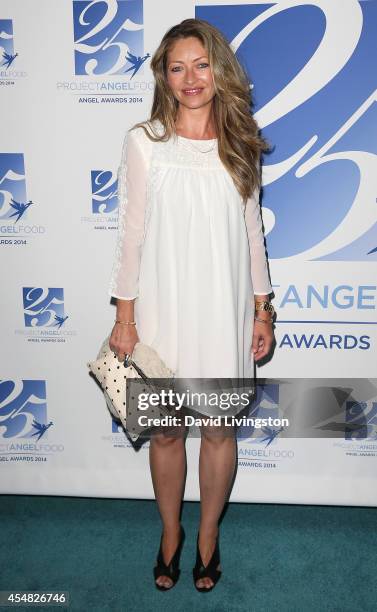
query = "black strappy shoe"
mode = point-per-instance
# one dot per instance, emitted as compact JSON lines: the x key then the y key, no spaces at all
{"x":207,"y":571}
{"x":171,"y":570}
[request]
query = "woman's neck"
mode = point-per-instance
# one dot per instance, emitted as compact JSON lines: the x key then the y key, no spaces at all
{"x":193,"y":124}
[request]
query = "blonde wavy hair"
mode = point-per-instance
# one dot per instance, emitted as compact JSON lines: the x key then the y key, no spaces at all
{"x":239,"y":142}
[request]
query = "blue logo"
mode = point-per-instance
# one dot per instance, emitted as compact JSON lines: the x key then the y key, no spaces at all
{"x":23,"y":409}
{"x":265,"y":404}
{"x":13,"y":199}
{"x":108,"y":37}
{"x":7,"y":54}
{"x":361,"y":420}
{"x":116,"y":427}
{"x":315,"y":92}
{"x":104,"y":191}
{"x":44,"y":307}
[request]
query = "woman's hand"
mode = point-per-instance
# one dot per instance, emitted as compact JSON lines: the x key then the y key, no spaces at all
{"x":263,"y":337}
{"x":123,"y":339}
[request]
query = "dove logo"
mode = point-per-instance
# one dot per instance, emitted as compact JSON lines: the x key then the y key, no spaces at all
{"x":44,"y":307}
{"x":7,"y":54}
{"x":23,"y":409}
{"x":104,"y":196}
{"x":258,"y":446}
{"x":44,"y":315}
{"x":315,"y":95}
{"x":108,"y":37}
{"x":13,"y":200}
{"x":15,"y":206}
{"x":104,"y":191}
{"x":361,"y":420}
{"x":264,"y":405}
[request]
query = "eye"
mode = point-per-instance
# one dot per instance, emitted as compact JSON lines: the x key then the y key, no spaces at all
{"x":174,"y":68}
{"x":203,"y":64}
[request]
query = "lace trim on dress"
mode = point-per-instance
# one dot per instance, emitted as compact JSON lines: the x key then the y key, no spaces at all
{"x":180,"y":152}
{"x":176,"y":153}
{"x":122,"y":204}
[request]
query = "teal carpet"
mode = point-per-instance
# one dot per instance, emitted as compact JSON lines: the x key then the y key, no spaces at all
{"x":274,"y":557}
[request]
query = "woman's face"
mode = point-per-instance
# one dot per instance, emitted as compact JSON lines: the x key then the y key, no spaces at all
{"x":189,"y":74}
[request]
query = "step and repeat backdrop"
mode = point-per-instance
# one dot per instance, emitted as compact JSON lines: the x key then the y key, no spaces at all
{"x":74,"y":76}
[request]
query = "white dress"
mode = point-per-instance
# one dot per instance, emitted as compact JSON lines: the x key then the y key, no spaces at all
{"x":190,"y":253}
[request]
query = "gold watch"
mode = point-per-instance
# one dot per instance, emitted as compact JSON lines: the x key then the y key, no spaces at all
{"x":265,"y":305}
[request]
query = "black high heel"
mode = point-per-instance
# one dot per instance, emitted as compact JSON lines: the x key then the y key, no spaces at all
{"x":171,"y":570}
{"x":207,"y":571}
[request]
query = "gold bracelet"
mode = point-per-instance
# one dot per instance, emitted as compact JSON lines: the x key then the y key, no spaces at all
{"x":125,"y":322}
{"x":264,"y":320}
{"x":264,"y":305}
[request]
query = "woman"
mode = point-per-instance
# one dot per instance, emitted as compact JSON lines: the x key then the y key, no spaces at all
{"x":190,"y":255}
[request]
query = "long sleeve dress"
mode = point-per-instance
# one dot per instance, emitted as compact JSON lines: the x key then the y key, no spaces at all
{"x":190,"y":253}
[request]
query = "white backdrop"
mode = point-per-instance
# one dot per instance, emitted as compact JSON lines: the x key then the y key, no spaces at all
{"x":63,"y":129}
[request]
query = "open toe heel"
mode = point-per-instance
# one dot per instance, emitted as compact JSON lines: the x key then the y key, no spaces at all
{"x":207,"y":571}
{"x":171,"y":570}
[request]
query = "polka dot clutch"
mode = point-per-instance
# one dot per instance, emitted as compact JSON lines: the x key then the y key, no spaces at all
{"x":112,"y":375}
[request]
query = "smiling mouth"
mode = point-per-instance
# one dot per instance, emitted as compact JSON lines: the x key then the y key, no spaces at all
{"x":192,"y":92}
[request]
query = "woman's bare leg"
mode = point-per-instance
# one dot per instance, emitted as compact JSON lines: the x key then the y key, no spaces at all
{"x":217,"y":463}
{"x":167,"y":459}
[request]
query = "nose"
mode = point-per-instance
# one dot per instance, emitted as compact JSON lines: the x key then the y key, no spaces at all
{"x":190,"y":78}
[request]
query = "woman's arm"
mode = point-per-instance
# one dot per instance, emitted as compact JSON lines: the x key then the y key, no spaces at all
{"x":132,"y":178}
{"x":258,"y":259}
{"x":132,"y":181}
{"x":263,"y":335}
